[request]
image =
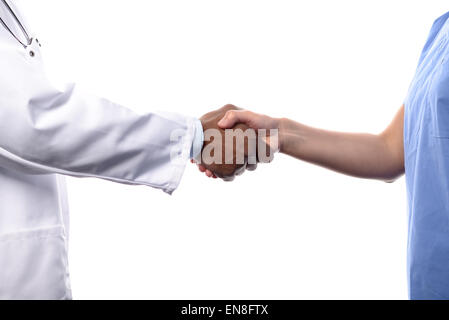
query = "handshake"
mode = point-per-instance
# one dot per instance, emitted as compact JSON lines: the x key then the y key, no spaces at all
{"x":236,"y":140}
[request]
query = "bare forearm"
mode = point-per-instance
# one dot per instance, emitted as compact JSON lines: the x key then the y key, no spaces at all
{"x":356,"y":154}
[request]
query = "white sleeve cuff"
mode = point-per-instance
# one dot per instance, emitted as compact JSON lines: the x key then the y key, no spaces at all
{"x":198,"y":140}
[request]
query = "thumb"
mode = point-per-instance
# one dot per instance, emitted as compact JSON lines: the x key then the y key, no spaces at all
{"x":233,"y":117}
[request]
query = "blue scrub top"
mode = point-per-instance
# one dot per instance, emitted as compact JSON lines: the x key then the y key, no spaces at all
{"x":426,"y":151}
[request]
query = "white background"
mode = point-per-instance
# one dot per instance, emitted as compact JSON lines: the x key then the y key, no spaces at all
{"x":287,"y":231}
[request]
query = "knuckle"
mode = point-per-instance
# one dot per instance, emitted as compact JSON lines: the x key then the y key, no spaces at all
{"x":229,"y":107}
{"x":230,"y":114}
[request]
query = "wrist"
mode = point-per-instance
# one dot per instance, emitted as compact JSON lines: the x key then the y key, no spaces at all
{"x":281,"y":125}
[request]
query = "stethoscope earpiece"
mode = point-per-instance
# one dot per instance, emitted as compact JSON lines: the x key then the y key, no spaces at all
{"x":28,"y":39}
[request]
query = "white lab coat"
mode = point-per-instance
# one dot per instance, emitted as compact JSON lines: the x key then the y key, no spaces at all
{"x":46,"y":133}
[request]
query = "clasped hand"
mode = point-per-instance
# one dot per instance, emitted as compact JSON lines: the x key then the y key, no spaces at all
{"x":236,"y":140}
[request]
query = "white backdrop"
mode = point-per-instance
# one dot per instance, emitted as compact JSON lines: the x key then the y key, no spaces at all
{"x":287,"y":231}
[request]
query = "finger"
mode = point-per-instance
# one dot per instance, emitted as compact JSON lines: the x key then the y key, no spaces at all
{"x":240,"y":171}
{"x":233,"y":117}
{"x":209,"y":173}
{"x":202,"y":169}
{"x":227,"y":179}
{"x":251,"y":167}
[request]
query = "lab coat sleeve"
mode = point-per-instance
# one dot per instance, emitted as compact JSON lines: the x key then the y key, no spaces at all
{"x":74,"y":133}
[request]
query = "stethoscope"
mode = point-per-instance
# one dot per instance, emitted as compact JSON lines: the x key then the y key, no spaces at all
{"x":29,"y":40}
